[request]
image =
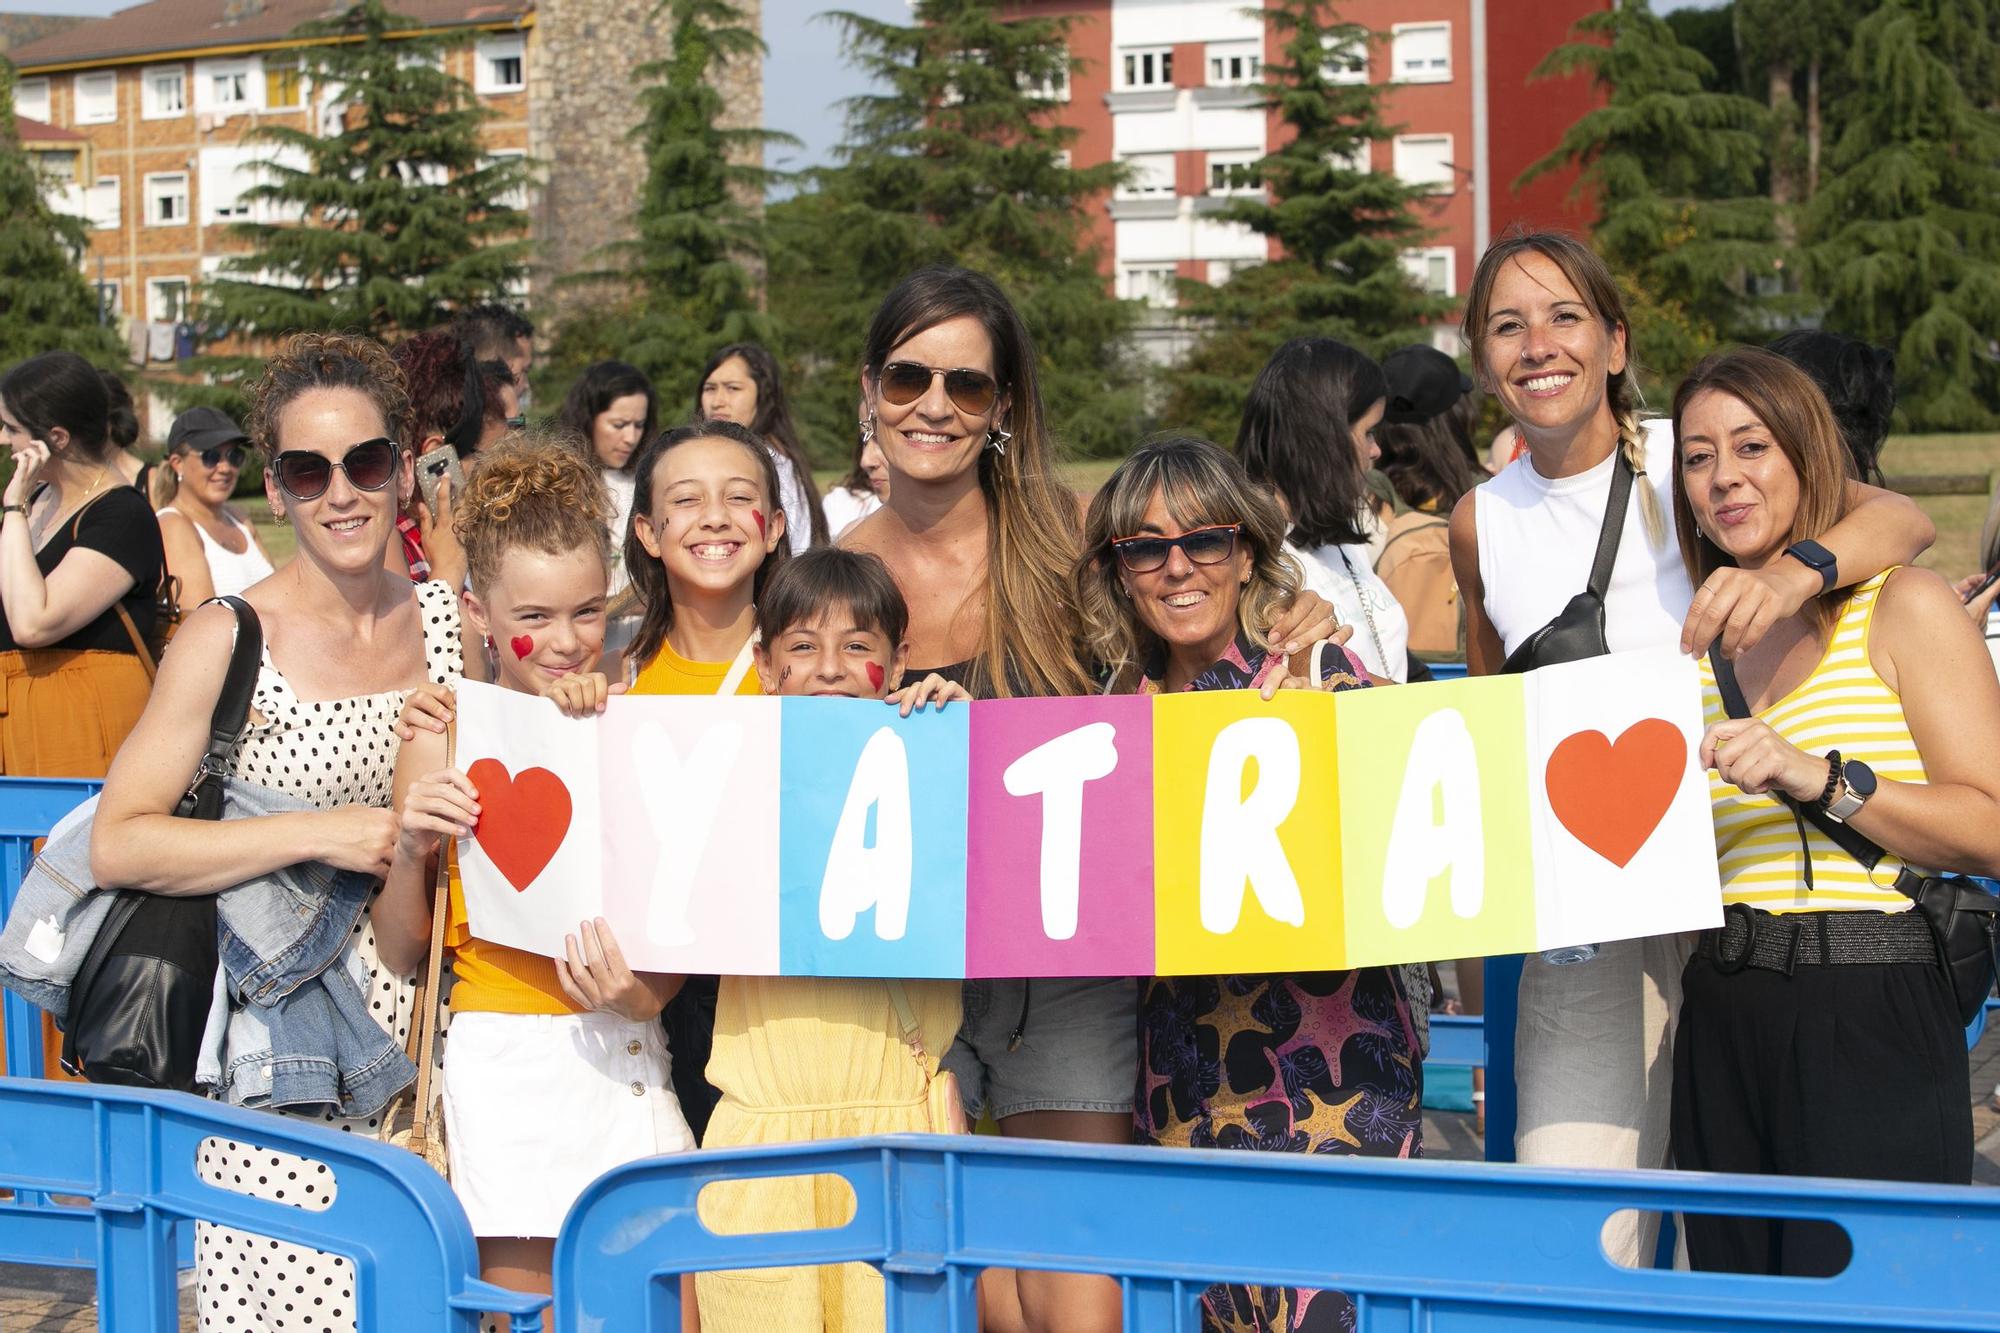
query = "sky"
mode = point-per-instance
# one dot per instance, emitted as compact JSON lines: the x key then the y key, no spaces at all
{"x":805,"y":79}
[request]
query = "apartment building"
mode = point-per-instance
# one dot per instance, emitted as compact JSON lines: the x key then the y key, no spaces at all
{"x":1168,"y":87}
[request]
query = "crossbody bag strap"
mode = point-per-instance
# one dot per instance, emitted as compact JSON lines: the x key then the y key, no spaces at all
{"x":239,"y":688}
{"x":427,"y":994}
{"x":740,"y":667}
{"x":139,"y":647}
{"x":1615,"y":506}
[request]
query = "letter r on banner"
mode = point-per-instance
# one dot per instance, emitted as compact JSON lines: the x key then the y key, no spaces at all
{"x":1239,"y":834}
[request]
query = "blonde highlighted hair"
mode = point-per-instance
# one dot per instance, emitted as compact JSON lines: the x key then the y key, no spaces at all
{"x":1202,"y":486}
{"x":535,"y":492}
{"x":1593,"y":281}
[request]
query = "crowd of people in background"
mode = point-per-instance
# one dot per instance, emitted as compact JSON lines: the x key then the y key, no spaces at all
{"x":671,"y":539}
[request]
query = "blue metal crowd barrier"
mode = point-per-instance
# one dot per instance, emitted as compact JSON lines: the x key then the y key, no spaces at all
{"x":1439,"y":1246}
{"x":29,"y":808}
{"x":130,"y":1157}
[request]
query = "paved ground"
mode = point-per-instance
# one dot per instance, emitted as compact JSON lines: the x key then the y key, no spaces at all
{"x":43,"y":1300}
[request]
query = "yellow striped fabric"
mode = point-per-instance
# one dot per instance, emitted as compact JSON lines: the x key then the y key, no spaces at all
{"x":1843,"y":705}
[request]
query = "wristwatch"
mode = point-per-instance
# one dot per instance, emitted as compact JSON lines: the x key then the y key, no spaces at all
{"x":1857,"y":784}
{"x":1816,"y":558}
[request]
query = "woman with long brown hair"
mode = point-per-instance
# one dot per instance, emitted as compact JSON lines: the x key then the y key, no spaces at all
{"x":742,"y":383}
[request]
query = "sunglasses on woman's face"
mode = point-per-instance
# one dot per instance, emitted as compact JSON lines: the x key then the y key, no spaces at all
{"x":305,"y":476}
{"x":233,"y":454}
{"x":971,"y":391}
{"x":1204,"y":546}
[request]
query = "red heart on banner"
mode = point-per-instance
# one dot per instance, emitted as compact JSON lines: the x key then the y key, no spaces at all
{"x":522,"y":820}
{"x":1611,"y":796}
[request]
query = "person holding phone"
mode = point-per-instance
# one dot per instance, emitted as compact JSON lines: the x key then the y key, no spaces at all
{"x":211,"y":547}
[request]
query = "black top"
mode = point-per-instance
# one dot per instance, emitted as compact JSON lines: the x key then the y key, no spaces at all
{"x":119,"y":524}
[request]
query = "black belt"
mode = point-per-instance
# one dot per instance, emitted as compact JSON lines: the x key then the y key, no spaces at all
{"x":1752,"y":938}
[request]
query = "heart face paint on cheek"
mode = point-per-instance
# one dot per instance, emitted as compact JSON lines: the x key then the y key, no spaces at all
{"x":522,"y":645}
{"x":875,"y":675}
{"x":758,"y":514}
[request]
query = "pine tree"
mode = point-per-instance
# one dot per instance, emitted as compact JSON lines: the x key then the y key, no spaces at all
{"x":400,"y":215}
{"x":1673,"y":170}
{"x":959,"y":159}
{"x":688,"y":269}
{"x":1904,"y":242}
{"x":45,"y":305}
{"x":1340,"y":226}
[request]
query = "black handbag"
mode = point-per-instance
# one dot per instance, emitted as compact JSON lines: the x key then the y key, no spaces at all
{"x":1964,"y":918}
{"x":1577,"y":631}
{"x":141,"y":996}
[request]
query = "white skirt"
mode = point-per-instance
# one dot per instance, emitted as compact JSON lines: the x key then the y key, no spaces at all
{"x":536,"y":1106}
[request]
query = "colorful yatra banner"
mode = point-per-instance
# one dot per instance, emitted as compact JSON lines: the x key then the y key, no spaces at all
{"x":1117,"y":836}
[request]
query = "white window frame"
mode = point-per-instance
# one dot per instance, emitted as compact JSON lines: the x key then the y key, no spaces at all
{"x":154,"y":288}
{"x":46,"y":167}
{"x":489,"y":52}
{"x":90,"y":107}
{"x":1054,"y":89}
{"x":105,"y":219}
{"x":1234,"y":64}
{"x":517,"y":199}
{"x":234,"y":77}
{"x":1154,"y":283}
{"x":1236,"y":157}
{"x":32,"y":100}
{"x":153,"y":105}
{"x":275,"y":64}
{"x":153,"y":198}
{"x":1362,"y":160}
{"x":1444,"y":181}
{"x":1346,"y":62}
{"x":1418,"y":263}
{"x":1403,"y":37}
{"x":1149,"y":185}
{"x":1145,"y":68}
{"x":1222,"y":270}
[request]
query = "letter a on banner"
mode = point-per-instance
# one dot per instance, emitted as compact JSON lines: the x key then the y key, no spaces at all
{"x":1442,"y":765}
{"x":861,"y":872}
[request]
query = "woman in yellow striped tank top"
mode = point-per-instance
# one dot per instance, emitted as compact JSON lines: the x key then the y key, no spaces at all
{"x":1818,"y":1032}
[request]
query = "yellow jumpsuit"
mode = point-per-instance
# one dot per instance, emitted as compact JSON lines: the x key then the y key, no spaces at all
{"x":796,"y":1059}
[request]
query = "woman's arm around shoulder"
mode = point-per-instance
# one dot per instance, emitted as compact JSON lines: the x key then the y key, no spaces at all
{"x":1483,"y":649}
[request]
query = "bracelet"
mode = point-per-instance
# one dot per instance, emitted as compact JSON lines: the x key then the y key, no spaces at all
{"x":20,"y":509}
{"x":1832,"y":779}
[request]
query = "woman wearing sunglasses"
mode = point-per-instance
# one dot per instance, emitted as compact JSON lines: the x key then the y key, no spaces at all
{"x":345,"y":640}
{"x":211,"y":548}
{"x":1184,"y":568}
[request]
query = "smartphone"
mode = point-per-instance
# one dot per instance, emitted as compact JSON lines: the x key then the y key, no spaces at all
{"x":1992,"y":577}
{"x":434,"y":467}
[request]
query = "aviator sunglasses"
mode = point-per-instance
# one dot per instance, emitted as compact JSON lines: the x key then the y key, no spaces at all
{"x":234,"y":454}
{"x":971,"y":391}
{"x":1203,"y":546}
{"x":305,"y":476}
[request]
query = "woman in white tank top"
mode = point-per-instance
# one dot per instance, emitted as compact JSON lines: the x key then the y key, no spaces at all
{"x":211,"y":548}
{"x":1547,"y":329}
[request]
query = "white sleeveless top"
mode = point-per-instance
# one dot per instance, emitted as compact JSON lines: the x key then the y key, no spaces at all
{"x":1537,"y":539}
{"x":230,"y":571}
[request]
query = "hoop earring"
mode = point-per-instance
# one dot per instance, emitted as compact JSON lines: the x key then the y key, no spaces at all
{"x":868,"y":428}
{"x":996,"y":440}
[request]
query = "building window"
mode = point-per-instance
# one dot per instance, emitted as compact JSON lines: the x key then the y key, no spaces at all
{"x":1152,"y":176}
{"x":1421,"y":52}
{"x":1055,"y":88}
{"x":1151,"y":68}
{"x":167,"y":200}
{"x":96,"y":99}
{"x":101,"y":204}
{"x":282,"y":86}
{"x":166,"y":300}
{"x":1360,"y":160}
{"x":107,"y":300}
{"x":165,"y":92}
{"x":1222,"y":270}
{"x":31,"y":99}
{"x":1346,"y":61}
{"x":502,"y":66}
{"x":1155,"y":284}
{"x":58,"y":168}
{"x":1222,"y":173}
{"x":516,"y":199}
{"x":1435,"y":269}
{"x":229,"y":89}
{"x":1234,"y":64}
{"x":1426,"y":160}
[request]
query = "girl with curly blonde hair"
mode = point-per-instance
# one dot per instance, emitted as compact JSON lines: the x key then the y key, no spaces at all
{"x":535,"y":1042}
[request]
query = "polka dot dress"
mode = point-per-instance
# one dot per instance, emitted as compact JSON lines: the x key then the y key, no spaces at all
{"x":336,"y":752}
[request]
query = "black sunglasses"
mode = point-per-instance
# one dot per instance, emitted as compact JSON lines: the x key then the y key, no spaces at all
{"x":1204,"y":546}
{"x":971,"y":391}
{"x":305,"y":476}
{"x":235,"y":453}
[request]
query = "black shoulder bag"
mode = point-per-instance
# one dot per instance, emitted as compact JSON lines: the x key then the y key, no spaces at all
{"x":140,"y":1000}
{"x":1577,"y":631}
{"x":1964,"y":918}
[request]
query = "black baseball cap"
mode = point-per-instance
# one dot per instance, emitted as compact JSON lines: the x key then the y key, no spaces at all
{"x":1423,"y":382}
{"x":201,"y":428}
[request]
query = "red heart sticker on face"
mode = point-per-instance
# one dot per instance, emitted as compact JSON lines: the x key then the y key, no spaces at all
{"x":522,"y":820}
{"x":1611,"y":796}
{"x":875,"y":676}
{"x":522,"y":645}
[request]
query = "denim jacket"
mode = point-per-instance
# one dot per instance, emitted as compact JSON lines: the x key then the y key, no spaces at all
{"x":297,"y":1031}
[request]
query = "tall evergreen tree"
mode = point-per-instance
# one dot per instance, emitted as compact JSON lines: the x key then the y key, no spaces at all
{"x":1341,"y":228}
{"x":1904,"y":238}
{"x":1673,"y":170}
{"x":397,"y":214}
{"x":45,"y":305}
{"x":698,"y":229}
{"x":959,"y":159}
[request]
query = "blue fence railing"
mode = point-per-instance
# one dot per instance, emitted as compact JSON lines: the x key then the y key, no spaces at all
{"x":29,"y":808}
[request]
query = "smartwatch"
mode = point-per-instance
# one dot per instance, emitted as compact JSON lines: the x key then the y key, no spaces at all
{"x":1816,"y":558}
{"x":1857,"y":785}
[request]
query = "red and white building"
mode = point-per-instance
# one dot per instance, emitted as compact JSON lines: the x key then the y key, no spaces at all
{"x":1168,"y":87}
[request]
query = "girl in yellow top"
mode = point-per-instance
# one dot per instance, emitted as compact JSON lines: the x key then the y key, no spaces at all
{"x":800,"y":1058}
{"x":556,"y":1070}
{"x":1818,"y":1033}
